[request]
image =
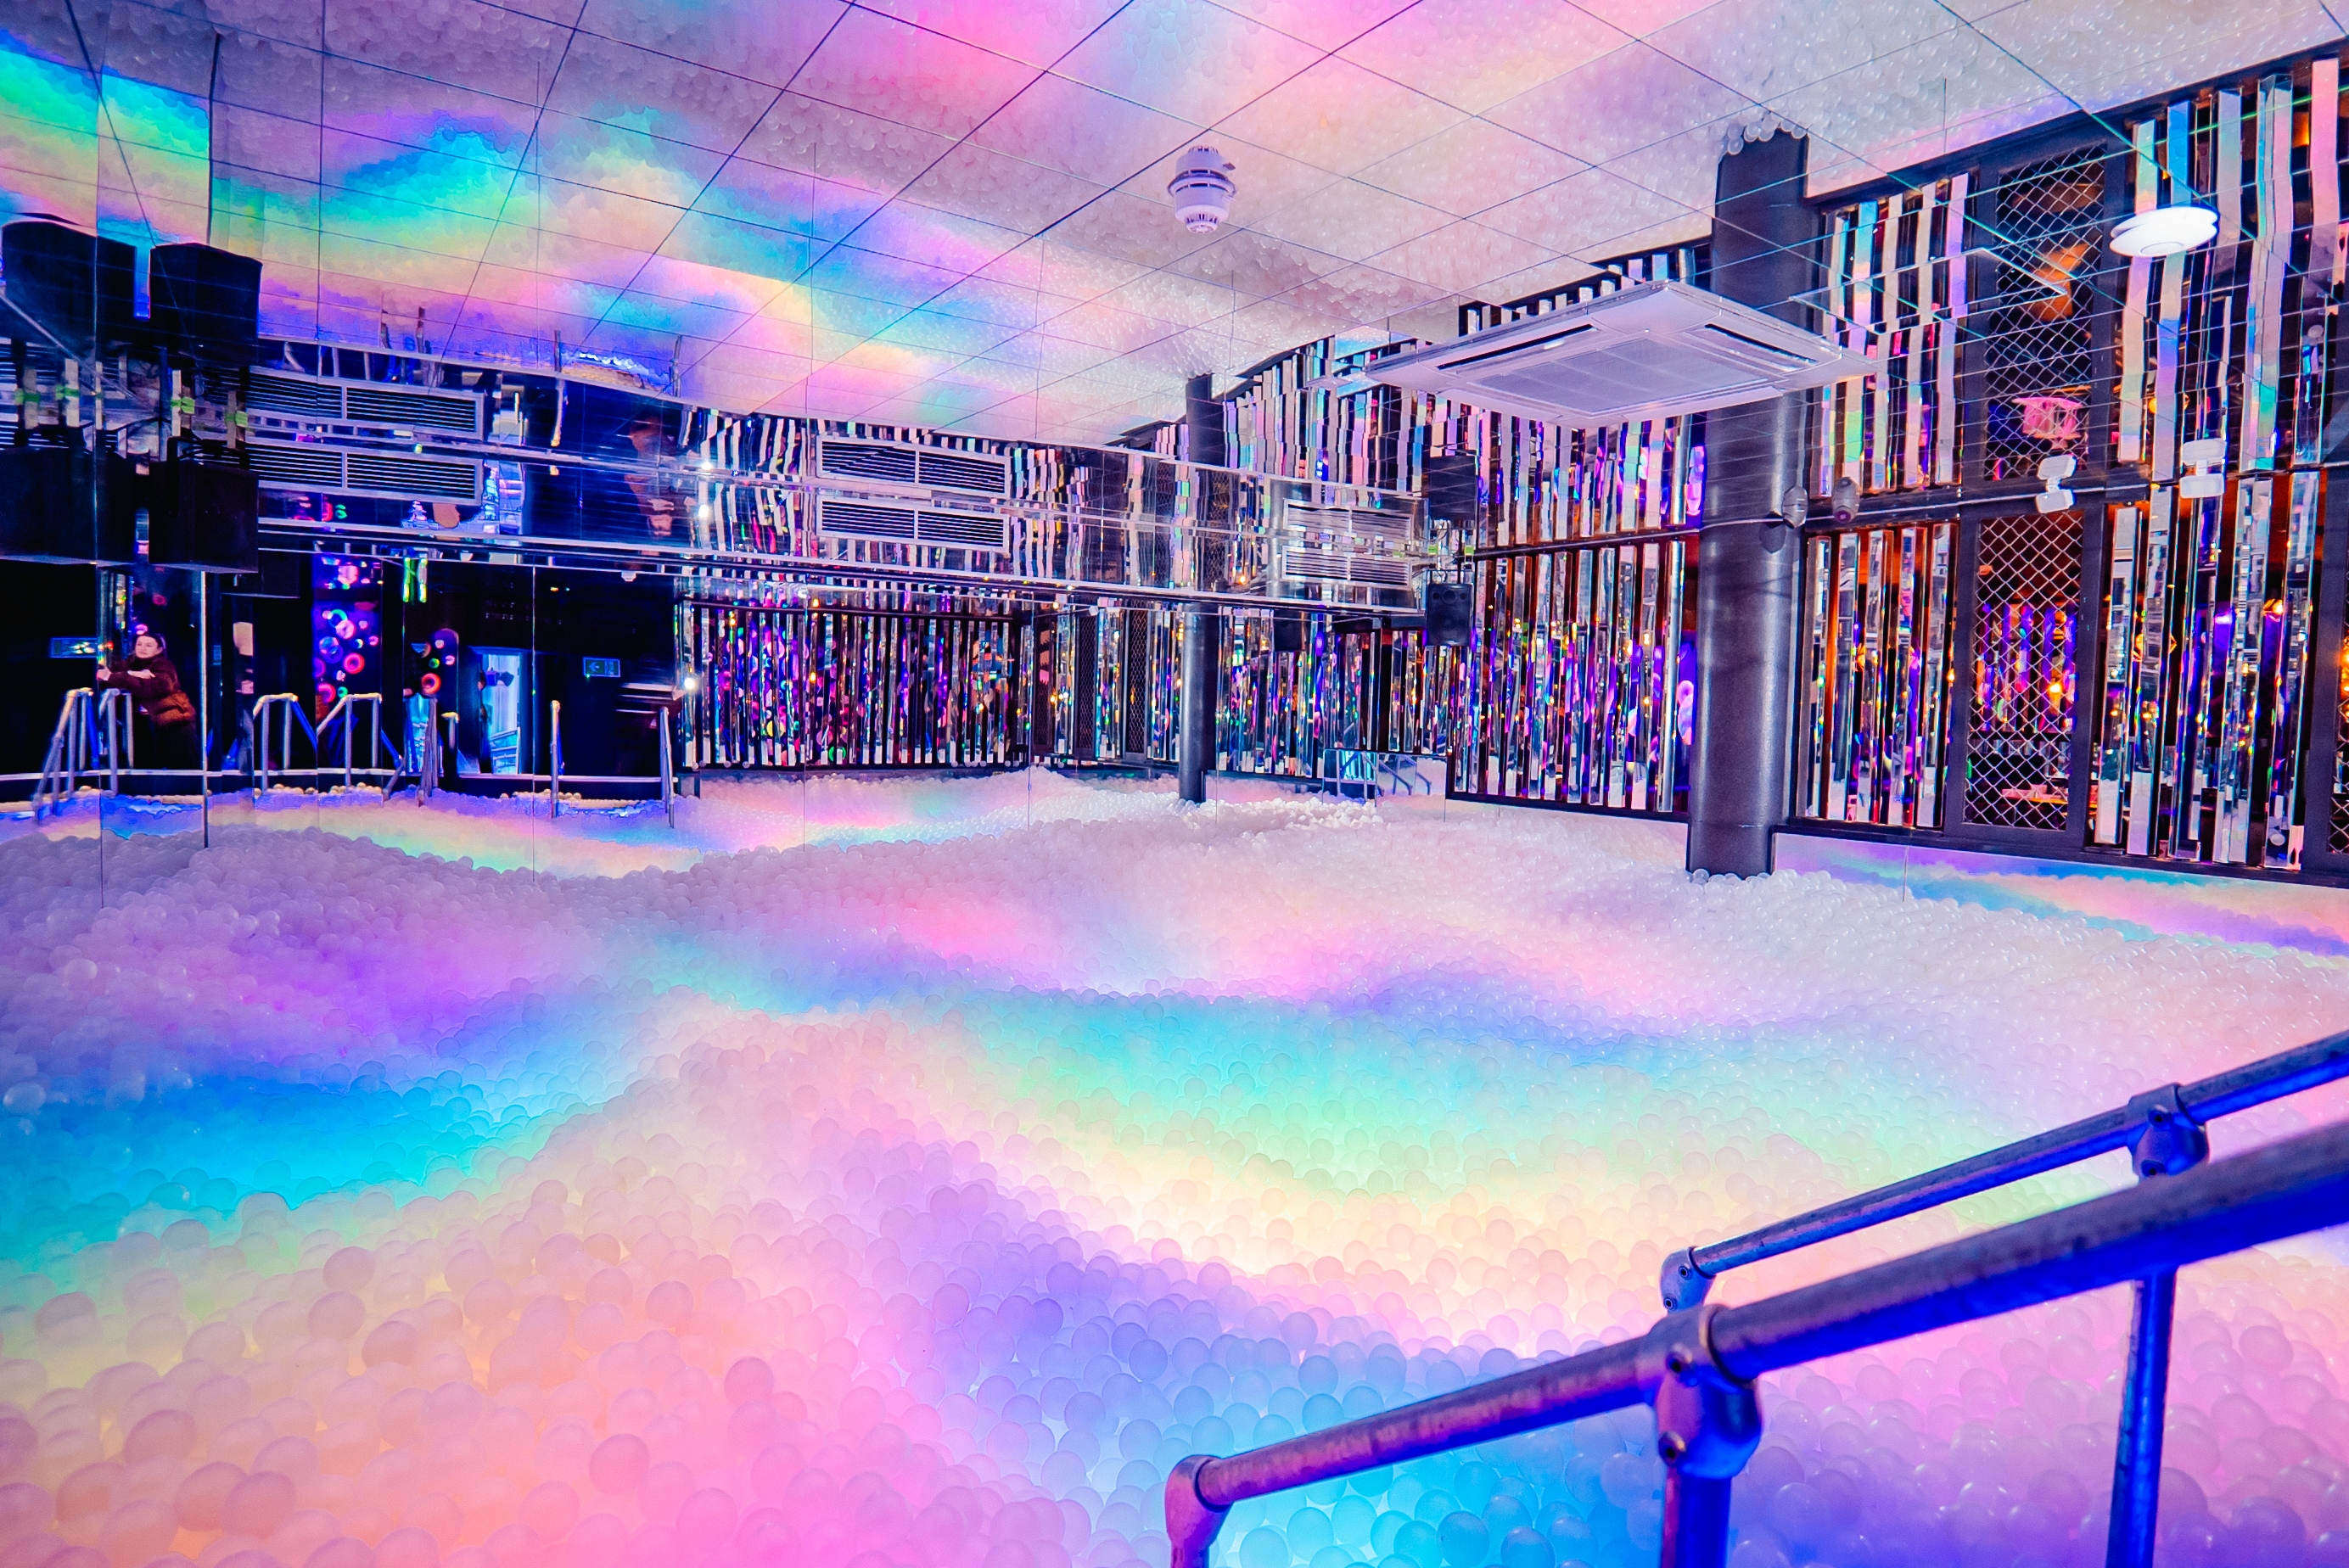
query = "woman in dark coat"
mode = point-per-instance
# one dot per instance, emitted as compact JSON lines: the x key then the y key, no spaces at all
{"x":153,"y":683}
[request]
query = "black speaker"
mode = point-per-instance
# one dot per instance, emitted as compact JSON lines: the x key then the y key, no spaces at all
{"x":282,"y":575}
{"x":204,"y":516}
{"x":1289,"y":631}
{"x":63,"y":285}
{"x":204,"y":301}
{"x":1452,"y":487}
{"x":1450,"y":606}
{"x":58,"y":504}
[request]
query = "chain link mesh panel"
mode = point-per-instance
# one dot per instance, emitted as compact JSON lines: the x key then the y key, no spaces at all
{"x":2026,"y":621}
{"x":2036,"y":343}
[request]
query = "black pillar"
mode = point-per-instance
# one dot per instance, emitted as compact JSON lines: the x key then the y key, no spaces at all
{"x":1206,"y":417}
{"x":1749,"y":562}
{"x":1197,"y":747}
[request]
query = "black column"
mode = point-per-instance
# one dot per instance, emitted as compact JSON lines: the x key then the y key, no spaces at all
{"x":1206,"y":417}
{"x":1196,"y":728}
{"x":1748,"y":562}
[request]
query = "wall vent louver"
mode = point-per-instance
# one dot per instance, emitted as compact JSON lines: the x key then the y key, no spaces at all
{"x":880,"y":462}
{"x":409,"y":478}
{"x":868,"y":460}
{"x":1647,"y":351}
{"x":392,"y":476}
{"x":904,"y":525}
{"x":853,"y":519}
{"x":315,"y":399}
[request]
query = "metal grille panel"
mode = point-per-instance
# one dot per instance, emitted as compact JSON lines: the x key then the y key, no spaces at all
{"x":1581,"y":678}
{"x":839,"y":689}
{"x":1876,"y":674}
{"x":2036,"y":343}
{"x":2026,"y":622}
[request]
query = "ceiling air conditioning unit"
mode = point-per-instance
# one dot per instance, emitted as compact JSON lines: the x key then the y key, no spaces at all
{"x":1646,"y":352}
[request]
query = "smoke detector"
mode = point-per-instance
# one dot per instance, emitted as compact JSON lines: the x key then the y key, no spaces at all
{"x":1202,"y":188}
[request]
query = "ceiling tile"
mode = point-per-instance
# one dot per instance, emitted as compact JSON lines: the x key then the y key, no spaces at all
{"x":845,"y":270}
{"x":1057,"y":267}
{"x":766,"y":332}
{"x":1631,"y":98}
{"x":1596,"y":213}
{"x":2109,"y":52}
{"x":1459,"y":257}
{"x":1473,"y":54}
{"x":1127,"y":227}
{"x":1475,"y":165}
{"x":407,"y":174}
{"x":1899,"y":109}
{"x":1077,"y":130}
{"x":1005,"y":192}
{"x":1324,"y":24}
{"x":1255,"y":265}
{"x":610,"y":216}
{"x":612,"y":158}
{"x":961,"y":245}
{"x":1638,"y":18}
{"x":1342,"y":117}
{"x":1013,"y":307}
{"x":382,"y":104}
{"x":465,"y":43}
{"x":1191,"y":60}
{"x":766,"y":42}
{"x":931,"y":82}
{"x":757,"y":259}
{"x":1764,"y":48}
{"x":842,"y":144}
{"x":1037,"y":31}
{"x":1367,"y":294}
{"x":603,"y":79}
{"x":754,"y":192}
{"x":1353,"y":220}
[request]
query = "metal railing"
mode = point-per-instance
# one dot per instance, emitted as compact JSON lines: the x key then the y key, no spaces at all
{"x":554,"y":759}
{"x":345,"y":712}
{"x":668,"y":768}
{"x":285,"y":709}
{"x":89,"y":724}
{"x":2162,"y":1129}
{"x":1698,"y":1364}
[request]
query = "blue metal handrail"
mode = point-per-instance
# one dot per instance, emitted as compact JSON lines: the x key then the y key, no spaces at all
{"x":1697,"y":1366}
{"x":2163,"y":1131}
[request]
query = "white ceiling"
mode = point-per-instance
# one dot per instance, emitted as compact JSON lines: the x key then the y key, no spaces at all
{"x":953,"y":213}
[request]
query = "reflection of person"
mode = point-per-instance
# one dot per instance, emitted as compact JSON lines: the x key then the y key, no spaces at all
{"x":153,"y":683}
{"x":649,"y":438}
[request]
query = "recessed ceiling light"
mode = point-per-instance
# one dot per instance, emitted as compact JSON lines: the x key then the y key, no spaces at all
{"x":2165,"y":232}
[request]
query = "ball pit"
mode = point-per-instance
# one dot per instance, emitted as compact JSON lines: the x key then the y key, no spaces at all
{"x":917,"y":1195}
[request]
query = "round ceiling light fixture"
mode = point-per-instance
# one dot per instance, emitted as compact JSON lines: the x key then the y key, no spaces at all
{"x":1202,"y":188}
{"x":2166,"y":232}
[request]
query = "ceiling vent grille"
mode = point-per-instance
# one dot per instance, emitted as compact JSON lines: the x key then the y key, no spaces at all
{"x":1647,"y":351}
